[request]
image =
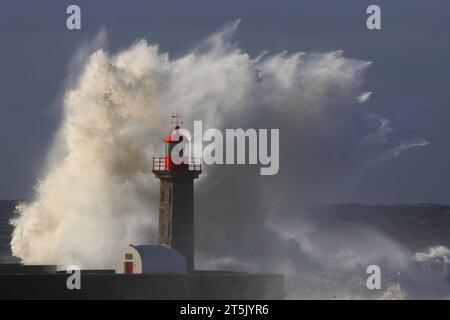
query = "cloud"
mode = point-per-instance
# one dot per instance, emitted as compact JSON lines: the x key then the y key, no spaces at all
{"x":397,"y":150}
{"x":364,"y":97}
{"x":381,"y":146}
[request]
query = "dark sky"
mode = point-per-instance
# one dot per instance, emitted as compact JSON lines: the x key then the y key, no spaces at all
{"x":409,"y":77}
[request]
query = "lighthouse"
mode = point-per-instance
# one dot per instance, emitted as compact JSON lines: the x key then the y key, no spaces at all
{"x":176,"y":201}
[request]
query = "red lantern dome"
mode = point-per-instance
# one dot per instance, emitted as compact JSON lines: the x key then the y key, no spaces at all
{"x":166,"y":163}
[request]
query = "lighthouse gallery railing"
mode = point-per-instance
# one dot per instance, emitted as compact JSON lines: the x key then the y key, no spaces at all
{"x":162,"y":164}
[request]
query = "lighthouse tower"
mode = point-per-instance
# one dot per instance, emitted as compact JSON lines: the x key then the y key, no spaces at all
{"x":176,"y":204}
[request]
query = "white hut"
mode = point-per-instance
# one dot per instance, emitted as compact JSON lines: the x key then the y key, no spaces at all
{"x":151,"y":259}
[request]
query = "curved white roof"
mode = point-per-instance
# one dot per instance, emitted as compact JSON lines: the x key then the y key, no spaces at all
{"x":161,"y":259}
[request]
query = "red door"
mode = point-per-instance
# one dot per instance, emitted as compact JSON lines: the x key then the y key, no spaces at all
{"x":128,"y":267}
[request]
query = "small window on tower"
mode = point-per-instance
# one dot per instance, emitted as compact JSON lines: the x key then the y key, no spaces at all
{"x":128,"y":256}
{"x":165,"y":196}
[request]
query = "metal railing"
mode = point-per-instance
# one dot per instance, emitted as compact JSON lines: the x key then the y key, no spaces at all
{"x":195,"y":164}
{"x":163,"y":164}
{"x":159,"y":163}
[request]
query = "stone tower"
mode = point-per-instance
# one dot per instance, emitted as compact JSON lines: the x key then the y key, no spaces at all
{"x":176,"y":204}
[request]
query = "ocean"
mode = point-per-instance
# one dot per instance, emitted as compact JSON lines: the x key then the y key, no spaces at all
{"x":411,"y":245}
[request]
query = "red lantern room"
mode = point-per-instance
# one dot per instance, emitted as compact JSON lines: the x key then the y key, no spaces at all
{"x":166,"y":163}
{"x":171,"y":141}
